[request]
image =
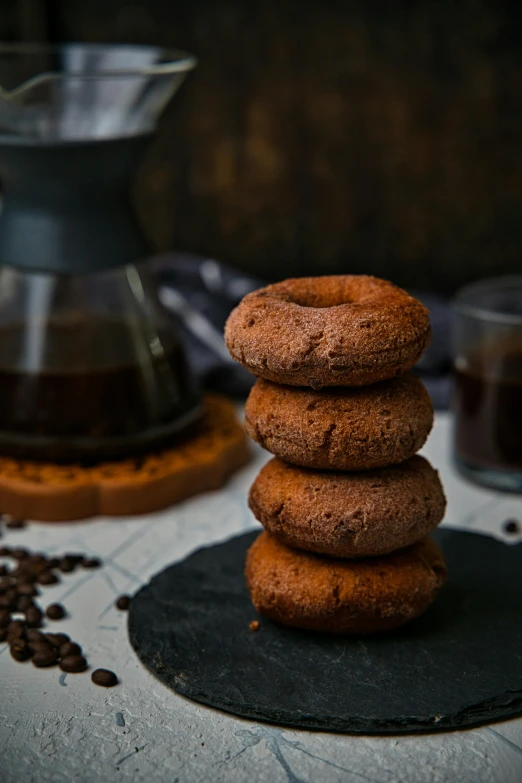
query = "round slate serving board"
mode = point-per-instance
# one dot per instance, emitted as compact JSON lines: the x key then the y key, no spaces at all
{"x":458,"y":665}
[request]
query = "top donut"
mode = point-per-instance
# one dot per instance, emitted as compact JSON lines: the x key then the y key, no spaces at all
{"x":339,"y":330}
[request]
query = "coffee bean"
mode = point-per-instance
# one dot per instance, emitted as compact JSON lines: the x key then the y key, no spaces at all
{"x":36,"y":564}
{"x":3,"y":634}
{"x":33,"y":617}
{"x":16,"y":524}
{"x":92,"y":562}
{"x":16,"y":628}
{"x":66,"y":565}
{"x":37,"y":557}
{"x":24,"y":602}
{"x":74,"y":664}
{"x":41,"y":644}
{"x":54,"y":562}
{"x":19,"y":572}
{"x":55,"y":612}
{"x":48,"y":578}
{"x":25,"y":575}
{"x":70,"y":648}
{"x":511,"y":526}
{"x":123,"y":603}
{"x":20,"y":650}
{"x":57,"y":639}
{"x":7,"y":600}
{"x":75,"y":557}
{"x":32,"y":635}
{"x":4,"y":551}
{"x":19,"y":554}
{"x":3,"y":570}
{"x":104,"y":677}
{"x":45,"y":657}
{"x":5,"y":618}
{"x":27,"y":588}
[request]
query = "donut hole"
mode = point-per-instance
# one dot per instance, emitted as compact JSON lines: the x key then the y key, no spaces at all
{"x":319,"y":293}
{"x":319,"y":300}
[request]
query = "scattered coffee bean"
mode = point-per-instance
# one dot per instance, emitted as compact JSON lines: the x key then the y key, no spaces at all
{"x":35,"y":564}
{"x":48,"y":578}
{"x":123,"y":603}
{"x":37,"y":557}
{"x":66,"y":565}
{"x":57,"y":639}
{"x":104,"y":677}
{"x":8,"y":600}
{"x":32,"y":635}
{"x":511,"y":526}
{"x":70,"y":648}
{"x":20,"y":650}
{"x":45,"y":657}
{"x":27,"y":588}
{"x":16,"y":628}
{"x":24,"y":575}
{"x":75,"y":557}
{"x":17,"y":594}
{"x":92,"y":562}
{"x":19,"y":554}
{"x":24,"y":602}
{"x":11,"y":593}
{"x":74,"y":664}
{"x":55,"y":612}
{"x":16,"y":524}
{"x":39,"y":645}
{"x":21,"y":573}
{"x":33,"y":617}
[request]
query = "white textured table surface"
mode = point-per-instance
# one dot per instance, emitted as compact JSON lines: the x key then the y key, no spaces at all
{"x":56,"y":728}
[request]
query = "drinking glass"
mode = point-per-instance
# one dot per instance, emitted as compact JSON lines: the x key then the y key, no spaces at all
{"x":488,"y":382}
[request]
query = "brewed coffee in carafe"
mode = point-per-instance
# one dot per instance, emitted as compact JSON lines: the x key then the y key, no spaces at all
{"x":76,"y":384}
{"x":90,"y":363}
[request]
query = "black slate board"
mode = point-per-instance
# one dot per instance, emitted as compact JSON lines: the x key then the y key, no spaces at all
{"x":459,"y":665}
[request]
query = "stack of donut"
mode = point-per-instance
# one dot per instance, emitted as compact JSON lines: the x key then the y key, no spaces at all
{"x":346,"y":504}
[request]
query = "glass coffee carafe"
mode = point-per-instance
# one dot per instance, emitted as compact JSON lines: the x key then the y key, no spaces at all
{"x":90,"y":363}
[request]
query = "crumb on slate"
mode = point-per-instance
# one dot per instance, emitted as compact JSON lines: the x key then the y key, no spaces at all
{"x":254,"y":625}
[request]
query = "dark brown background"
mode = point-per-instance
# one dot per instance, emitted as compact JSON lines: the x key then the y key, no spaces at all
{"x":323,"y":136}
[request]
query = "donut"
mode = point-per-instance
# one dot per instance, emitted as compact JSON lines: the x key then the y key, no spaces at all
{"x":339,"y":330}
{"x":348,"y":514}
{"x":305,"y":590}
{"x":341,"y":428}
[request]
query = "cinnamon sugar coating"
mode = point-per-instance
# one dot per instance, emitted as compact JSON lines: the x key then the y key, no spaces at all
{"x":305,"y":590}
{"x":348,"y":514}
{"x":339,"y":330}
{"x":341,"y":428}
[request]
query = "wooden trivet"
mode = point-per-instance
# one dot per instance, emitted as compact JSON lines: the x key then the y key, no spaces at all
{"x":47,"y":492}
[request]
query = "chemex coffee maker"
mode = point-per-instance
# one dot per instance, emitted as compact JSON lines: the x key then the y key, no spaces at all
{"x":90,"y":364}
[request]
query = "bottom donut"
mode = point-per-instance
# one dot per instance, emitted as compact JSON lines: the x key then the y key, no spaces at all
{"x":317,"y":593}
